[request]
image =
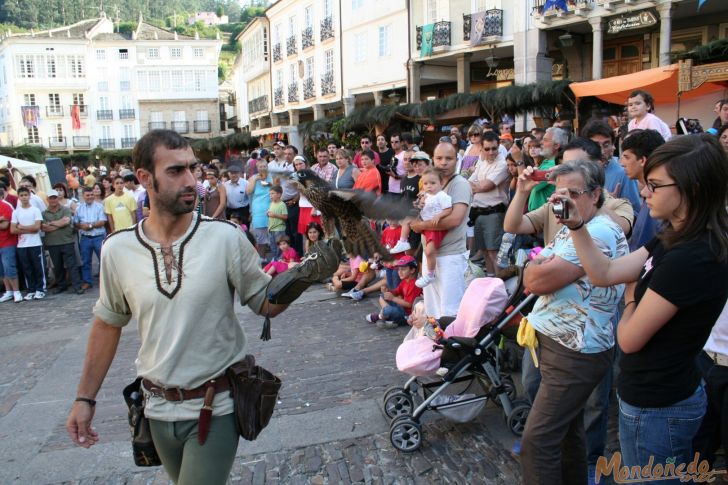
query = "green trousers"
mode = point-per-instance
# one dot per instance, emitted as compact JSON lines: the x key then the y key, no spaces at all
{"x":189,"y":463}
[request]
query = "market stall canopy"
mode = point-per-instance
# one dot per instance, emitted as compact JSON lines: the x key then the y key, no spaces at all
{"x":23,"y":167}
{"x":660,"y":82}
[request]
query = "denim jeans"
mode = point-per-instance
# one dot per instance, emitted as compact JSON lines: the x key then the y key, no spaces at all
{"x":394,"y":313}
{"x":713,"y":431}
{"x":89,"y":246}
{"x":662,"y":433}
{"x":392,"y":278}
{"x":530,"y":375}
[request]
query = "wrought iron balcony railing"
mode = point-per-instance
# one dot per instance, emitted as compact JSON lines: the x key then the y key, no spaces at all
{"x":440,"y":35}
{"x":105,"y":114}
{"x":293,"y":93}
{"x":82,"y":142}
{"x":327,"y":28}
{"x":258,"y":104}
{"x":54,"y":111}
{"x":202,"y":126}
{"x":107,"y":143}
{"x":181,"y":126}
{"x":278,"y":97}
{"x":127,"y":114}
{"x":327,"y":84}
{"x":128,"y":142}
{"x":309,"y":88}
{"x":291,"y":47}
{"x":307,"y":38}
{"x":57,"y":142}
{"x":157,"y":125}
{"x":277,"y":53}
{"x":573,"y":6}
{"x":493,"y":24}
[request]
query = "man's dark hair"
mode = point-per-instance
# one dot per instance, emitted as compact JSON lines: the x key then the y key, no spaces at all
{"x":406,"y":138}
{"x":277,"y":189}
{"x":597,"y":127}
{"x":538,"y":130}
{"x":291,"y":147}
{"x":642,"y":142}
{"x":322,"y":149}
{"x":490,"y":136}
{"x":142,"y":154}
{"x":368,"y":153}
{"x":130,"y":177}
{"x":590,"y":147}
{"x":23,"y":189}
{"x":2,"y":185}
{"x":365,"y":137}
{"x":89,"y":189}
{"x":397,"y":135}
{"x":30,"y":179}
{"x":118,"y":177}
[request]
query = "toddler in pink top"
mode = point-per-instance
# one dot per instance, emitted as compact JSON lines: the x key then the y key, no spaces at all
{"x":289,"y":257}
{"x":640,"y":105}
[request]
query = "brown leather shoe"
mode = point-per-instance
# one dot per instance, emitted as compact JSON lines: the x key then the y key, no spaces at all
{"x":85,"y":286}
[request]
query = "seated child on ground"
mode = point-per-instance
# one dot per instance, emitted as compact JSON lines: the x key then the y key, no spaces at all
{"x":288,"y":259}
{"x":436,"y":206}
{"x":396,"y":304}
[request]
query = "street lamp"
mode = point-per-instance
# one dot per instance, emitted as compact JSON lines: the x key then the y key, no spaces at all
{"x":566,"y":40}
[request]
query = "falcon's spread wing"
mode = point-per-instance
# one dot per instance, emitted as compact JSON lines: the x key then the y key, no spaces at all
{"x":350,"y":208}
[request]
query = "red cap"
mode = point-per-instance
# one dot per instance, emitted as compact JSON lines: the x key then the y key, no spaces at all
{"x":406,"y":261}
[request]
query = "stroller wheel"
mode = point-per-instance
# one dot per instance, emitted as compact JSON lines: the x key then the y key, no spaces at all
{"x":517,"y":419}
{"x":398,"y":403}
{"x":392,"y":390}
{"x":406,"y":435}
{"x":509,"y":387}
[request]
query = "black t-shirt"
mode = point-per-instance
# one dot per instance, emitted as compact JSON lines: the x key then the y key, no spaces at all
{"x":384,"y":166}
{"x":663,"y":372}
{"x":411,"y":187}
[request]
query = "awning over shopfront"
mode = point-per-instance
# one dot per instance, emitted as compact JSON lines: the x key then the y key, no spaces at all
{"x":660,"y":82}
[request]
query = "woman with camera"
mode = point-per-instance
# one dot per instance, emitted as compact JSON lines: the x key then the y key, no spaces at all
{"x":677,"y":285}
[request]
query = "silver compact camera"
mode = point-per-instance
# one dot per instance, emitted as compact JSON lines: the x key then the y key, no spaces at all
{"x":560,"y":210}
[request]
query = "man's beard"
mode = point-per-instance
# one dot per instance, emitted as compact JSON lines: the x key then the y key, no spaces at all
{"x":172,"y":203}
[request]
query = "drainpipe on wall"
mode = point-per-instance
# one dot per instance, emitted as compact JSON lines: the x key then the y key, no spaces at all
{"x":408,"y":3}
{"x":341,"y":62}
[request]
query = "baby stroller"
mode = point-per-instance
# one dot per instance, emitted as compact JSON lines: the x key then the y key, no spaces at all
{"x":467,"y":353}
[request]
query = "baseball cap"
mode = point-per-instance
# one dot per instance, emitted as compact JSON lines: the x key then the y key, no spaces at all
{"x":420,"y":156}
{"x":506,"y":136}
{"x":234,"y":169}
{"x":264,"y":153}
{"x":280,"y":144}
{"x":406,"y":261}
{"x":52,"y":193}
{"x":300,"y":158}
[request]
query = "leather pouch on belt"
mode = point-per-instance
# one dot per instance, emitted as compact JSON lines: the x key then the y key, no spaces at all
{"x":255,"y":392}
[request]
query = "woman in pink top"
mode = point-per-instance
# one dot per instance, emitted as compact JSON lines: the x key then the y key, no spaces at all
{"x":640,"y":105}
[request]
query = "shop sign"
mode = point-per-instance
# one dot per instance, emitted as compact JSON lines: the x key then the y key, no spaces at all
{"x":632,"y":21}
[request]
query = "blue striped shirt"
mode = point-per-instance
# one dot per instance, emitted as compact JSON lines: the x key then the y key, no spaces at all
{"x":89,"y":214}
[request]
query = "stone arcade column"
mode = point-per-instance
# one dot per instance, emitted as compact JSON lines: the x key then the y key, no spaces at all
{"x":413,"y":90}
{"x":349,"y":104}
{"x":664,"y":9}
{"x":463,"y":72}
{"x":318,"y":112}
{"x":597,"y":46}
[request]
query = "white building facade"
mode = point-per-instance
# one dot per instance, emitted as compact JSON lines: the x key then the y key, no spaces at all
{"x":374,"y":51}
{"x":252,"y":75}
{"x":84,"y":86}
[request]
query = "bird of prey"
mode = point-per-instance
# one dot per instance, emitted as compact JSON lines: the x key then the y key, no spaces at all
{"x":350,"y":208}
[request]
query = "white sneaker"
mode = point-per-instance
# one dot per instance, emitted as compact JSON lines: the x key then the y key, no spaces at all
{"x":17,"y":297}
{"x":400,"y":247}
{"x":348,"y":293}
{"x":7,"y":296}
{"x":29,"y":296}
{"x":424,"y":280}
{"x":357,"y":295}
{"x":39,"y":295}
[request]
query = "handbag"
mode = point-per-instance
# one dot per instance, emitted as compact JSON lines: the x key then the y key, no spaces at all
{"x":254,"y":391}
{"x":143,"y":449}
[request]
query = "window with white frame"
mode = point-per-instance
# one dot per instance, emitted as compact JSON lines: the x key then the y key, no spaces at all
{"x":107,"y":132}
{"x":189,"y":80}
{"x":328,"y":8}
{"x":165,"y":80}
{"x":58,"y":131}
{"x":308,"y":16}
{"x":384,"y":40}
{"x":54,"y":100}
{"x":103,"y":80}
{"x":124,"y":79}
{"x":199,"y":52}
{"x":279,"y":79}
{"x":291,"y":73}
{"x":177,"y":80}
{"x":200,"y":81}
{"x":180,"y":116}
{"x":26,"y":66}
{"x":153,"y":53}
{"x":126,"y":102}
{"x":100,"y":54}
{"x":291,"y":26}
{"x":277,"y":34}
{"x":77,"y":67}
{"x":142,"y":81}
{"x":33,"y":135}
{"x":104,"y":103}
{"x":202,"y":115}
{"x":329,"y":61}
{"x":357,"y":4}
{"x":155,"y":83}
{"x":360,"y":47}
{"x":308,"y":74}
{"x":432,"y":11}
{"x":175,"y":52}
{"x":156,"y":116}
{"x":51,"y":66}
{"x":123,"y":54}
{"x":29,"y":99}
{"x":128,"y":131}
{"x":78,"y":99}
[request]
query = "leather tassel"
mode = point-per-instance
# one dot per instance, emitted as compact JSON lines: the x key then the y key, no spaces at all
{"x":203,"y":425}
{"x":265,"y":336}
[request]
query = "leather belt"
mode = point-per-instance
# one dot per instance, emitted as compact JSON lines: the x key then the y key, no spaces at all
{"x":175,"y":394}
{"x":484,"y":211}
{"x":719,"y":359}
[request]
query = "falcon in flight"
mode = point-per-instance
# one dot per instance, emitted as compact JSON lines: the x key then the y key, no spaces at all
{"x":352,"y":209}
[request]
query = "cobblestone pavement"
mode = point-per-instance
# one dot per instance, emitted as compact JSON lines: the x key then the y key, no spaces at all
{"x":327,"y":428}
